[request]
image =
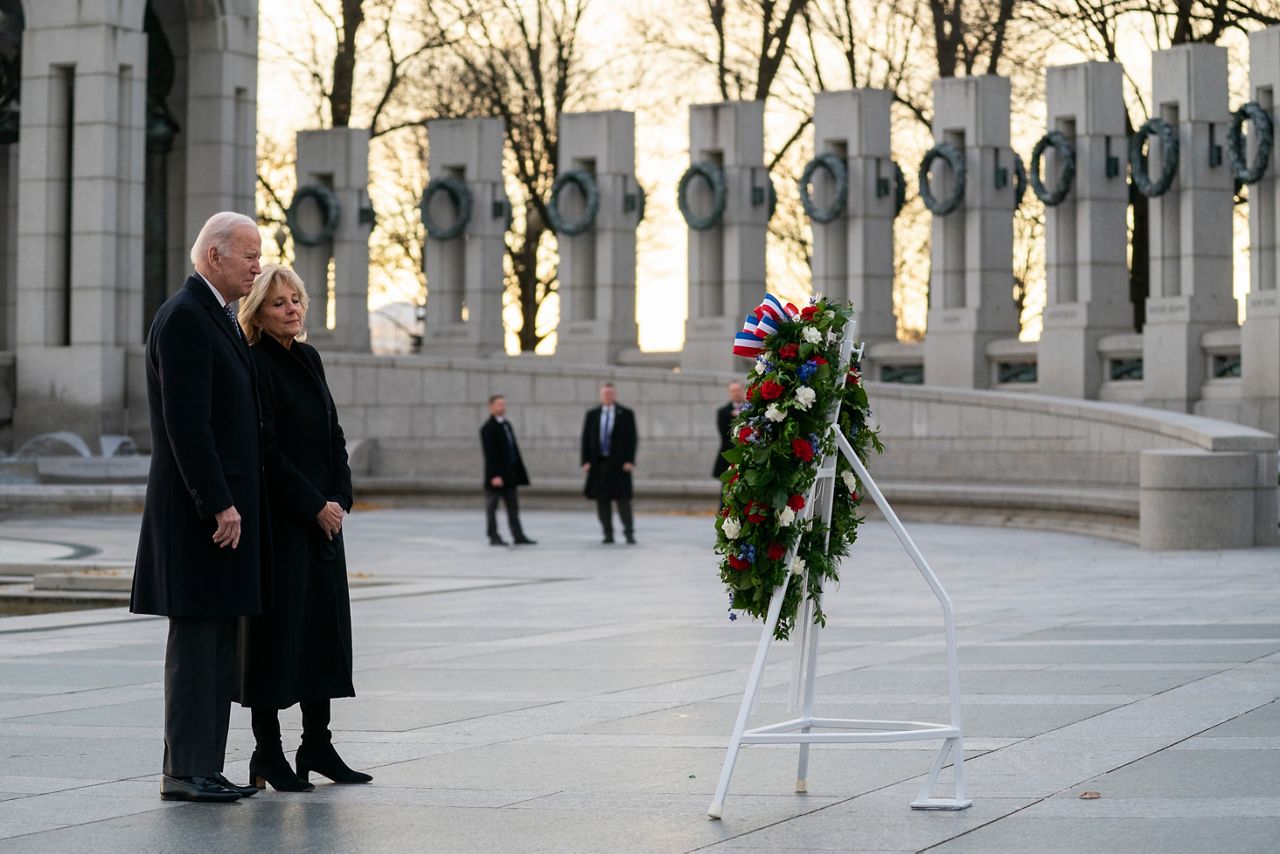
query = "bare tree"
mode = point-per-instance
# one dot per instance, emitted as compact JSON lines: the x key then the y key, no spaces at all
{"x":522,"y":64}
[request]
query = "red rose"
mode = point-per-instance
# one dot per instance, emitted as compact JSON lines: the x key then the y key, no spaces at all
{"x":776,"y":551}
{"x":744,"y":434}
{"x":733,"y":479}
{"x":754,"y":512}
{"x":770,"y":390}
{"x":802,"y":449}
{"x":796,"y":502}
{"x":737,"y":562}
{"x":854,"y":378}
{"x":808,"y":312}
{"x":753,"y":393}
{"x":724,"y":514}
{"x":819,"y":360}
{"x":855,"y":496}
{"x":788,"y":351}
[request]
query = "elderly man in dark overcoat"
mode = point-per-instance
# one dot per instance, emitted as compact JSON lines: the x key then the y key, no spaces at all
{"x":202,"y":555}
{"x":609,"y":443}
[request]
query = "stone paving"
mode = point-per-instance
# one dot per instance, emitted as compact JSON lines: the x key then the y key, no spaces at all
{"x":578,"y":697}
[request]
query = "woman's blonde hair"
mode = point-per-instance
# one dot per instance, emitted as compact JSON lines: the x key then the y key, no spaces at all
{"x":271,"y":275}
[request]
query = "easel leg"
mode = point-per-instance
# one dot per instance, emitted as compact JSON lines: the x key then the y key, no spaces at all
{"x":748,"y":700}
{"x":926,"y":800}
{"x":812,"y":630}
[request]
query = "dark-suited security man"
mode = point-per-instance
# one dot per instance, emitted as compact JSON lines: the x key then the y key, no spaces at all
{"x":724,"y":417}
{"x":608,"y":457}
{"x":202,"y":553}
{"x":503,"y":472}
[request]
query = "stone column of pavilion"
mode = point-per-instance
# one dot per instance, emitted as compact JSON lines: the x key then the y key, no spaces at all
{"x":337,"y":158}
{"x":221,"y":110}
{"x":79,"y":217}
{"x":8,"y":246}
{"x":1086,"y":263}
{"x":1190,"y":227}
{"x":465,"y":277}
{"x":1260,"y":336}
{"x":853,"y":254}
{"x":971,"y":301}
{"x":727,"y":260}
{"x":598,"y":266}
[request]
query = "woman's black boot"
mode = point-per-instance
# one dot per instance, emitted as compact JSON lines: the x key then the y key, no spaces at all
{"x":268,"y":765}
{"x":317,"y":753}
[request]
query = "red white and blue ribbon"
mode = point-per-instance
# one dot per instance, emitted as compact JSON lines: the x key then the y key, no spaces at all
{"x":762,"y":322}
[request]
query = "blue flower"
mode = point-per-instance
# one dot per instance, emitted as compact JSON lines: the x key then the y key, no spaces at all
{"x":732,"y":616}
{"x":806,"y":370}
{"x":746,"y":407}
{"x":748,"y":553}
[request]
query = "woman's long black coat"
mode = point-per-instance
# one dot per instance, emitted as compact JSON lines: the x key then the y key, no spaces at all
{"x":301,"y":648}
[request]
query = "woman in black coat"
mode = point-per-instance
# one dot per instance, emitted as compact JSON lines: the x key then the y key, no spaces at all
{"x":300,"y":650}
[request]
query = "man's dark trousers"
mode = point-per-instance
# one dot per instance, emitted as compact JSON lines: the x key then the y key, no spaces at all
{"x":199,"y":675}
{"x":508,"y":496}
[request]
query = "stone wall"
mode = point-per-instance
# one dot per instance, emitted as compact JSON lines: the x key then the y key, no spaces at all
{"x":412,"y":425}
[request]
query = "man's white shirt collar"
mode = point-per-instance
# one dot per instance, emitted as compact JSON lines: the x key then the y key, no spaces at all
{"x":222,"y":303}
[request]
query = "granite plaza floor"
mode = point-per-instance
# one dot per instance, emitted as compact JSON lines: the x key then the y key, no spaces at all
{"x":578,"y":697}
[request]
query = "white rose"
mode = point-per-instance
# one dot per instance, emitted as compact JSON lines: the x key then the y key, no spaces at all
{"x":773,"y":413}
{"x":805,"y":397}
{"x":812,"y":335}
{"x":798,"y":566}
{"x":829,"y":314}
{"x":760,"y":367}
{"x":731,"y":527}
{"x":849,"y":482}
{"x":786,"y":517}
{"x":832,"y":337}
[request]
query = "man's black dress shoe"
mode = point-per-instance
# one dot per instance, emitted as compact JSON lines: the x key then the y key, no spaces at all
{"x":243,"y":791}
{"x":497,"y":541}
{"x":631,"y":541}
{"x":205,"y":789}
{"x":608,"y":539}
{"x":525,"y":541}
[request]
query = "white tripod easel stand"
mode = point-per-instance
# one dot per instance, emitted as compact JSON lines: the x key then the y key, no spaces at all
{"x":804,"y":675}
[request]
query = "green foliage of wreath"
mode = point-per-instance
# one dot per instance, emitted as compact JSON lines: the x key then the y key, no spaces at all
{"x":714,"y":176}
{"x":955,"y":159}
{"x":839,"y":175}
{"x":459,"y":194}
{"x":1169,"y":148}
{"x":780,"y":437}
{"x":1065,"y":153}
{"x":586,"y":184}
{"x":330,"y":214}
{"x":1244,"y":171}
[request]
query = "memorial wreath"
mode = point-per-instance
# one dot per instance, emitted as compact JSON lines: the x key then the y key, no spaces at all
{"x":781,"y":435}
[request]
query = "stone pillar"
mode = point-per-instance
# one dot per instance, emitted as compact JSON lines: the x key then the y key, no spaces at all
{"x":337,"y":158}
{"x":971,"y":285}
{"x":8,"y":246}
{"x":853,"y":254}
{"x":79,"y":229}
{"x":1085,"y":246}
{"x":221,"y":127}
{"x":1190,"y":227}
{"x":465,"y":275}
{"x":1260,"y":337}
{"x":597,"y":272}
{"x":726,"y":261}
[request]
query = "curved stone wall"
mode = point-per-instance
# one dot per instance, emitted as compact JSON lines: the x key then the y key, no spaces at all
{"x":950,"y":448}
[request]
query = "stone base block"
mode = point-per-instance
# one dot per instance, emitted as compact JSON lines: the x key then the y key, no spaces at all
{"x":708,"y":345}
{"x":79,"y":388}
{"x":1194,"y":499}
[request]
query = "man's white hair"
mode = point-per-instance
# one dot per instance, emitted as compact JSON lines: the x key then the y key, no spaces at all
{"x":217,"y":233}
